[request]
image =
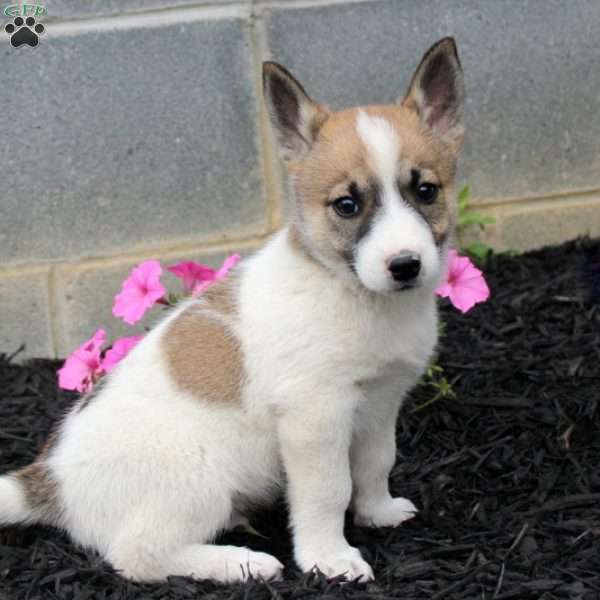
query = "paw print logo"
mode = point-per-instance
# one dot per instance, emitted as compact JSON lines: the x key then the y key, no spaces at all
{"x":24,"y":31}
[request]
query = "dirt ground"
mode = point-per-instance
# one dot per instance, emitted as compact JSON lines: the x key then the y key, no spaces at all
{"x":506,"y":474}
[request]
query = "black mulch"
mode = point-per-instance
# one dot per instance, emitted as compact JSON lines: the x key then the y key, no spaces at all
{"x":507,"y":475}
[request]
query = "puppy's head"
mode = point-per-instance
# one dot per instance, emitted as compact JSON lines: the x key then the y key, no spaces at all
{"x":373,"y":187}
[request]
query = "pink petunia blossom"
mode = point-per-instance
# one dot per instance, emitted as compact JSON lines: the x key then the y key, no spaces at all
{"x":140,"y":291}
{"x":192,"y":273}
{"x":227,"y":265}
{"x":83,"y":366}
{"x":119,"y":350}
{"x":465,"y":284}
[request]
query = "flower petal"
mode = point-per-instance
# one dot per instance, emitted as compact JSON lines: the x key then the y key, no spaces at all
{"x":465,"y":284}
{"x":444,"y":290}
{"x":192,"y":273}
{"x":82,"y":365}
{"x":227,"y":265}
{"x":119,"y":350}
{"x":141,"y":290}
{"x":224,"y":269}
{"x":74,"y":375}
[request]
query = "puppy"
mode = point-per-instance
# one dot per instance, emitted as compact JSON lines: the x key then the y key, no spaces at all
{"x":288,"y":374}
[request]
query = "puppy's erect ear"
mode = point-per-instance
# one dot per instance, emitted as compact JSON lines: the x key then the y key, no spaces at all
{"x":436,"y":92}
{"x":297,"y":119}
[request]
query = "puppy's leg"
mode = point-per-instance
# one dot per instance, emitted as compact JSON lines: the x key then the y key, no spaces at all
{"x":150,"y":549}
{"x":373,"y":453}
{"x":315,"y":438}
{"x":225,"y":564}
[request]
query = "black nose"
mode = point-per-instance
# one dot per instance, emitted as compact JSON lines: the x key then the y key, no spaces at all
{"x":405,"y":267}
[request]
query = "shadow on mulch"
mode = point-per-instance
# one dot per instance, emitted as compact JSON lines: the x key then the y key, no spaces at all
{"x":507,"y":475}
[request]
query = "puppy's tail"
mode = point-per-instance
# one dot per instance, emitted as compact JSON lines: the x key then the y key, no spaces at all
{"x":14,"y":506}
{"x":26,"y":496}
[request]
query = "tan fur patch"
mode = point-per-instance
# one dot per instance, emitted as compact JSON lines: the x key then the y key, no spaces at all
{"x":40,"y":489}
{"x":203,"y":353}
{"x":221,"y":296}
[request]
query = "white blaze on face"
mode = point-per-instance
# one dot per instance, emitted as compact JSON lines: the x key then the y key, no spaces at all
{"x":396,"y":227}
{"x":382,"y":144}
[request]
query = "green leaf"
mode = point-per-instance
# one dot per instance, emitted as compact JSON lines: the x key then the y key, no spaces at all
{"x":432,"y":370}
{"x":441,"y":328}
{"x":173,"y":299}
{"x":478,"y":250}
{"x":434,"y":378}
{"x":445,"y":388}
{"x":510,"y":252}
{"x":463,"y":198}
{"x":473,"y":218}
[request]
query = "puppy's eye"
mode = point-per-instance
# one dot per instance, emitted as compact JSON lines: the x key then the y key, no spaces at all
{"x":427,"y":193}
{"x":346,"y":206}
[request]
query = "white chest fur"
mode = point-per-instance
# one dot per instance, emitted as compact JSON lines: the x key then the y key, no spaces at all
{"x":303,"y":327}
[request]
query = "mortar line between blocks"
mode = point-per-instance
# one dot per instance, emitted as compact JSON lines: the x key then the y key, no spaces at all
{"x":190,"y":248}
{"x":566,"y":196}
{"x":147,"y":19}
{"x":299,"y":4}
{"x":212,"y":10}
{"x":268,"y":154}
{"x":52,"y":310}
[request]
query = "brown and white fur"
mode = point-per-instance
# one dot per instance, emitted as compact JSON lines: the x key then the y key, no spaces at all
{"x":289,"y":374}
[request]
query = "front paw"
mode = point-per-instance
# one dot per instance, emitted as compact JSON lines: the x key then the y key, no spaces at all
{"x":347,"y":562}
{"x":389,"y":512}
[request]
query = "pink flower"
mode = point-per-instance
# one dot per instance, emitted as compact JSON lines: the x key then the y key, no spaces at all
{"x":464,"y":285}
{"x":192,"y":273}
{"x":120,"y":349}
{"x":83,"y":366}
{"x":227,"y":265}
{"x":141,"y":290}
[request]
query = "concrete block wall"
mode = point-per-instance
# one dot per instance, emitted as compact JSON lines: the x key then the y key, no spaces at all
{"x":135,"y":129}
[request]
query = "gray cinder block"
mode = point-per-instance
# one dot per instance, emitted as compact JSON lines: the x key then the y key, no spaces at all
{"x":24,"y":317}
{"x":125,"y":138}
{"x":532,"y":83}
